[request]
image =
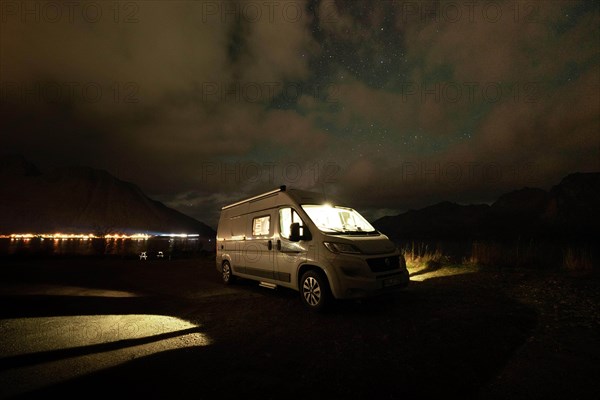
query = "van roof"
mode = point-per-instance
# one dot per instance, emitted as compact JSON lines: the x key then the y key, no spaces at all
{"x":299,"y":196}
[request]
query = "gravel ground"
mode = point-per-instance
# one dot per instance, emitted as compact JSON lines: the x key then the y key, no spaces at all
{"x":455,"y":331}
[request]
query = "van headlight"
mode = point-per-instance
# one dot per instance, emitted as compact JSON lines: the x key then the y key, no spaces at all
{"x":341,"y":248}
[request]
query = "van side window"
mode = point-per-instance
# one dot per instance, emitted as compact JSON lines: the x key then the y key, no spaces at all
{"x":261,"y":225}
{"x":288,"y":216}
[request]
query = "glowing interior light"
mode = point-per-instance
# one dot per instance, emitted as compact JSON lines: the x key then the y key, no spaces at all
{"x":337,"y":219}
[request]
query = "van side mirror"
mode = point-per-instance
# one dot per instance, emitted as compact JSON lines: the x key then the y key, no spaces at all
{"x":295,"y":232}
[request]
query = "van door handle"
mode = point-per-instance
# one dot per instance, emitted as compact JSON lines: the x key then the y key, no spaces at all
{"x":278,"y":244}
{"x":270,"y":244}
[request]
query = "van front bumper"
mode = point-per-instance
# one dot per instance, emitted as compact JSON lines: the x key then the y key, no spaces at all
{"x":360,"y":287}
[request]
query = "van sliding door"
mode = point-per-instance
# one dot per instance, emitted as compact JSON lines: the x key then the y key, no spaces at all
{"x":258,"y":246}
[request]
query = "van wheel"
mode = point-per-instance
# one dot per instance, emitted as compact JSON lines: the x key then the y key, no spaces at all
{"x":227,"y":274}
{"x":314,"y":290}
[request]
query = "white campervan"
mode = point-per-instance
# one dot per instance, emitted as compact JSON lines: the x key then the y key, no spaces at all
{"x":296,"y":239}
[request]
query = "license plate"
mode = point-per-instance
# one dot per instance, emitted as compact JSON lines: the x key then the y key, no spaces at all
{"x":391,"y":282}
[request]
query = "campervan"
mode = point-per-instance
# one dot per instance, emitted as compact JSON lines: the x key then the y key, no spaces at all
{"x":301,"y":240}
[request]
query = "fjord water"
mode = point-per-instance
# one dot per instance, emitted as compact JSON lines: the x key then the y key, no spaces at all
{"x":102,"y":247}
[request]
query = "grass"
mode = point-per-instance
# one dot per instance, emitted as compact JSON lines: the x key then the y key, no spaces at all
{"x":573,"y":257}
{"x":433,"y":260}
{"x":423,"y":255}
{"x":578,"y":260}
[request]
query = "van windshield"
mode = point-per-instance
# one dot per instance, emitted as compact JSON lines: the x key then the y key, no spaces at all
{"x":338,"y":219}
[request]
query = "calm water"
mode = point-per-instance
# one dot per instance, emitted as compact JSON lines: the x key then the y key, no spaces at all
{"x":97,"y":247}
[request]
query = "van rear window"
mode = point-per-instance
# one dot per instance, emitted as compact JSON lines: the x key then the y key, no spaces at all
{"x":261,"y":225}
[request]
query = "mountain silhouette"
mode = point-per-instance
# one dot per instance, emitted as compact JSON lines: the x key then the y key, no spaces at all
{"x":82,"y":200}
{"x":568,"y":210}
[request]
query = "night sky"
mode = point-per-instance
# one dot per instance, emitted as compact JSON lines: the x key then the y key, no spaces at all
{"x":386,"y":105}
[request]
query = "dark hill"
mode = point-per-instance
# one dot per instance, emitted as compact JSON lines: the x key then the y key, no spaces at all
{"x":569,"y":209}
{"x":442,"y":220}
{"x":575,"y":201}
{"x":82,"y":199}
{"x":17,"y":165}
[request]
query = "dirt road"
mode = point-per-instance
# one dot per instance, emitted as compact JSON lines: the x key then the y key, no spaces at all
{"x":156,"y":329}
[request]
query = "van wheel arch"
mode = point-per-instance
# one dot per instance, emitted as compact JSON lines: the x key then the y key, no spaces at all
{"x":308,"y":267}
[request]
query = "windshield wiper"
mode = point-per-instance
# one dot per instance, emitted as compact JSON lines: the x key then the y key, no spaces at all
{"x":333,"y":229}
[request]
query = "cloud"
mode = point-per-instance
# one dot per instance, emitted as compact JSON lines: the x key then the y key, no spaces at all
{"x":410,"y":102}
{"x":170,"y":86}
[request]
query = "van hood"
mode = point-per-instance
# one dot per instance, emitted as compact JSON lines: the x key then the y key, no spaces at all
{"x":368,"y":244}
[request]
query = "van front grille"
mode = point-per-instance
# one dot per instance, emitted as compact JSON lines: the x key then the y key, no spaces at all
{"x":383,"y":264}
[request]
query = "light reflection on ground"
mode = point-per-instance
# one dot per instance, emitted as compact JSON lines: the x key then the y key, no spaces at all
{"x":63,"y":290}
{"x":79,"y":345}
{"x":424,"y":273}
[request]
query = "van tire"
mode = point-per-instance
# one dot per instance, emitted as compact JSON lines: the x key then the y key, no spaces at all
{"x":314,"y":290}
{"x":227,"y":273}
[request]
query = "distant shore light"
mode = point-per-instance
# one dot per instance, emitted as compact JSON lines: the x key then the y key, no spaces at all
{"x":84,"y":236}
